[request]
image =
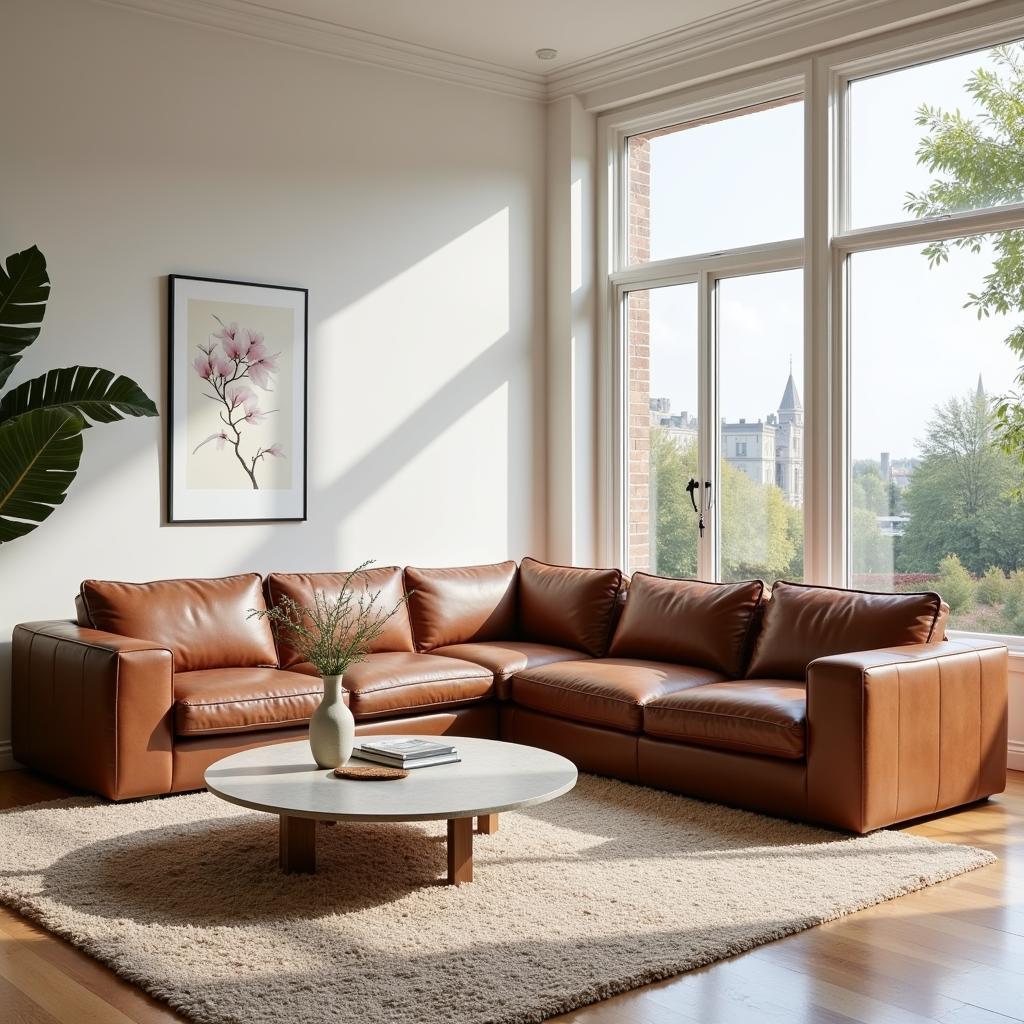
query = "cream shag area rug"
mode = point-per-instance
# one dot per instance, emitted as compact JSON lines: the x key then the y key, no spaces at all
{"x":602,"y":890}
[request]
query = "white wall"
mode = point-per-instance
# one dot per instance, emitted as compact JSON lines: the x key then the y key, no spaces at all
{"x":413,"y":211}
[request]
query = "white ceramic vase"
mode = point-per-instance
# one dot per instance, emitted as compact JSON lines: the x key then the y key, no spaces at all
{"x":332,"y":729}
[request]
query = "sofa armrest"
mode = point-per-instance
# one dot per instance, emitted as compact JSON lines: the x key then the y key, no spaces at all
{"x":93,"y":709}
{"x":901,"y":732}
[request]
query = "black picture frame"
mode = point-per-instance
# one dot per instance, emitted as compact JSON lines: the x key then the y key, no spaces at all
{"x":179,"y":350}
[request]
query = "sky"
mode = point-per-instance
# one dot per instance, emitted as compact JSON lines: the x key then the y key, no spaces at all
{"x":739,"y":182}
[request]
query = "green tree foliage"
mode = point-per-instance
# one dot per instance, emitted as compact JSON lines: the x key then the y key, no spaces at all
{"x":756,"y":538}
{"x":1013,"y":608}
{"x":868,"y":489}
{"x":979,"y":163}
{"x":992,"y":586}
{"x":675,"y":525}
{"x":870,"y":497}
{"x":872,"y":551}
{"x":762,"y":536}
{"x":955,"y":584}
{"x":959,"y":498}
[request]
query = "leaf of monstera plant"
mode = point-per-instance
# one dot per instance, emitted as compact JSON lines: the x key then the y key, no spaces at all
{"x":90,"y":392}
{"x":24,"y":289}
{"x":39,"y":456}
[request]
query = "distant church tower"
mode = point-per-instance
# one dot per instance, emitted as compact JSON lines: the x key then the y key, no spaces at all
{"x":789,"y":448}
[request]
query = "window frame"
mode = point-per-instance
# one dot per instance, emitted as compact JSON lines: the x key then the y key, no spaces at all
{"x":617,"y":277}
{"x":822,"y":81}
{"x":891,"y":53}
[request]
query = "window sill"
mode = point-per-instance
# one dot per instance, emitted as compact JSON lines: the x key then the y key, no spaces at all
{"x":1015,"y":643}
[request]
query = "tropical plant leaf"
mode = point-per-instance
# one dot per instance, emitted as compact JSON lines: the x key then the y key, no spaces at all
{"x":39,"y":455}
{"x":87,"y":390}
{"x":24,"y":289}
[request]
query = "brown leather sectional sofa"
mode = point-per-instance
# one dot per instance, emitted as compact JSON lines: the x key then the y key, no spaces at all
{"x":833,"y":706}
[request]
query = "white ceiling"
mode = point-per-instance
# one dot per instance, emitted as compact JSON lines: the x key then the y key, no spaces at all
{"x":507,"y":32}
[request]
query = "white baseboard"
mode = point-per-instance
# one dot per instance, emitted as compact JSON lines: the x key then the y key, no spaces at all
{"x":7,"y":762}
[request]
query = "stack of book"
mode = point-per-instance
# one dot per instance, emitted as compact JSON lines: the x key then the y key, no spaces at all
{"x":406,"y":752}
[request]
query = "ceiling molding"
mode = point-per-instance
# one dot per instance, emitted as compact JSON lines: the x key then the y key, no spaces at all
{"x":746,"y":23}
{"x":256,"y":21}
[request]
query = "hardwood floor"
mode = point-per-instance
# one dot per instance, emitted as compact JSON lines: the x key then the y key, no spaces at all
{"x":952,"y":953}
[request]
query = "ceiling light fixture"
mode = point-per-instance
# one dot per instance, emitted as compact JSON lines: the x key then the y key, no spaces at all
{"x":546,"y":53}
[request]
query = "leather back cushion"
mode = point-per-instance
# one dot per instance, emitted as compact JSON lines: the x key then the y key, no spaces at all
{"x":301,"y":586}
{"x":688,"y":622}
{"x":567,"y":607}
{"x":464,"y":605}
{"x":204,"y":623}
{"x":802,"y":623}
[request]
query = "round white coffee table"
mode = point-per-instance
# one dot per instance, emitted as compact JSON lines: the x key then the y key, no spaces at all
{"x":283,"y":779}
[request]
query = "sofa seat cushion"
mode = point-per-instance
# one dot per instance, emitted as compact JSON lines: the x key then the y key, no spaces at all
{"x":604,"y":691}
{"x":755,"y":716}
{"x":507,"y":657}
{"x":226,"y":700}
{"x":401,"y":684}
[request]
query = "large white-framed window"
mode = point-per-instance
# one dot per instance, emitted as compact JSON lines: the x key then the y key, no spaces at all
{"x":928,"y":275}
{"x":883,"y":368}
{"x":698,"y":436}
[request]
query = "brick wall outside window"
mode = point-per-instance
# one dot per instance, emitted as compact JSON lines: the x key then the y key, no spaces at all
{"x":638,"y":360}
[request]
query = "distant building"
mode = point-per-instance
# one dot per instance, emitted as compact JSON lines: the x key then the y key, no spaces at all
{"x":900,"y":472}
{"x":893,"y":526}
{"x":682,"y":428}
{"x":789,"y":450}
{"x":769,"y":451}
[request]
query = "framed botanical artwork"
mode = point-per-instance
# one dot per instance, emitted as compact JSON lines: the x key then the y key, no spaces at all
{"x":236,"y":431}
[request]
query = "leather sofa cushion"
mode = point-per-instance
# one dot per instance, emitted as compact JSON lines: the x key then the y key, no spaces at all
{"x":401,"y":684}
{"x":755,"y":716}
{"x":507,"y":657}
{"x":688,"y":621}
{"x":462,"y":605}
{"x":567,"y":607}
{"x":204,"y":623}
{"x":802,"y":623}
{"x":604,"y":691}
{"x":229,"y":700}
{"x":301,"y":586}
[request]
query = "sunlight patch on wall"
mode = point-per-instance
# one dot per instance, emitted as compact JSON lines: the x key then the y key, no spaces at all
{"x":457,"y":515}
{"x":410,"y":336}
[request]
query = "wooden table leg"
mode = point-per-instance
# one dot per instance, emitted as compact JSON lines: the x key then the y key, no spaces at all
{"x":460,"y":850}
{"x":487,"y":824}
{"x":298,"y":845}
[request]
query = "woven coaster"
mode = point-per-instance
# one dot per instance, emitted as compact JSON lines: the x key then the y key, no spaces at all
{"x":374,"y":773}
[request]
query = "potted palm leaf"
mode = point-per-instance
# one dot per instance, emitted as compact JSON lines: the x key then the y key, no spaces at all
{"x":42,"y":420}
{"x":333,"y":633}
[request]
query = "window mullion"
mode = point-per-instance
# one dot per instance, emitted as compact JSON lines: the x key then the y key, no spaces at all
{"x":707,"y":462}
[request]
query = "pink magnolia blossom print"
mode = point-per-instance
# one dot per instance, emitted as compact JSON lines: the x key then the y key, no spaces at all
{"x":233,"y":358}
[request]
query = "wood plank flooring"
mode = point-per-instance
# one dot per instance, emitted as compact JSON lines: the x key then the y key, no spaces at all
{"x":952,"y":953}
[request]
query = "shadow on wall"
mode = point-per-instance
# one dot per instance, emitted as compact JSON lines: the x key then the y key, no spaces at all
{"x":466,"y":285}
{"x":483,"y":370}
{"x":355,"y":486}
